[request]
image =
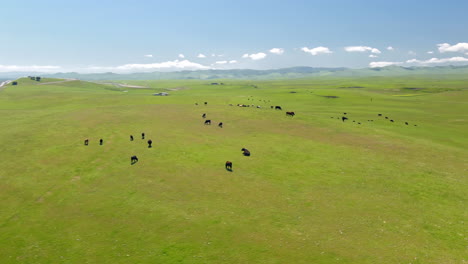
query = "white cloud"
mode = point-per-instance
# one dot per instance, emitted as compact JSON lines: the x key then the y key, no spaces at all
{"x":459,"y":47}
{"x":430,"y":52}
{"x":232,"y":61}
{"x":18,"y":68}
{"x":221,"y":62}
{"x":362,"y":49}
{"x":380,"y":64}
{"x":181,"y":56}
{"x":317,"y":50}
{"x":201,"y":56}
{"x":256,"y":56}
{"x":168,"y":65}
{"x":412,"y":53}
{"x":148,"y":56}
{"x":277,"y":51}
{"x":438,"y":61}
{"x":373,"y":56}
{"x":390,"y":48}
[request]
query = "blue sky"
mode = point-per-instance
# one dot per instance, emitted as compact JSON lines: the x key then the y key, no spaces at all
{"x":134,"y":36}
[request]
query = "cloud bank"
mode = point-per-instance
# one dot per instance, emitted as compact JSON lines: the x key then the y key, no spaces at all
{"x":29,"y":68}
{"x":438,"y":61}
{"x":380,"y":64}
{"x":168,"y":65}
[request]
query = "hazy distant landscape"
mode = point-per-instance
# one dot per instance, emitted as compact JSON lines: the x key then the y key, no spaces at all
{"x":286,"y":73}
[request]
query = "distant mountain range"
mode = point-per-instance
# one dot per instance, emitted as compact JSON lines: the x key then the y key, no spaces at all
{"x":286,"y":73}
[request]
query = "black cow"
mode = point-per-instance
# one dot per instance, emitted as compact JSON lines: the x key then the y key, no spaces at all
{"x":101,"y":141}
{"x":386,"y":117}
{"x":206,"y":103}
{"x":208,"y":122}
{"x":228,"y":165}
{"x":246,"y":152}
{"x":220,"y":124}
{"x":86,"y":142}
{"x":344,"y":113}
{"x":379,"y":114}
{"x":278,"y":107}
{"x":391,"y":120}
{"x":142,"y":135}
{"x":133,"y":159}
{"x":149,"y":143}
{"x":271,"y":107}
{"x":131,"y":138}
{"x":290,"y":113}
{"x":204,"y":115}
{"x":344,"y":118}
{"x":406,"y":123}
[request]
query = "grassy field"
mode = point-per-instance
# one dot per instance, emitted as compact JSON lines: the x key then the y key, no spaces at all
{"x":315,"y":190}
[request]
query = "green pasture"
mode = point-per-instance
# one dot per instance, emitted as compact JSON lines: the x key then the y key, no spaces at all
{"x":315,"y":190}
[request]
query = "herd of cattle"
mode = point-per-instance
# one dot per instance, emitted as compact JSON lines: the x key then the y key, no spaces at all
{"x":134,"y":158}
{"x":344,"y":118}
{"x":246,"y":152}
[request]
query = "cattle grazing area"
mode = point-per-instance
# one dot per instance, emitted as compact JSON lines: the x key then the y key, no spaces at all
{"x":306,"y":171}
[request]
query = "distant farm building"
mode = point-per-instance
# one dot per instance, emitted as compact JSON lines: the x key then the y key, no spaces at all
{"x":161,"y":94}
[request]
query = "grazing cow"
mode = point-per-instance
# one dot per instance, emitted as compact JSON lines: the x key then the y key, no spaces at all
{"x":228,"y":165}
{"x":258,"y":106}
{"x":290,"y":113}
{"x":208,"y":122}
{"x":344,"y":113}
{"x":196,"y":103}
{"x":278,"y":107}
{"x":142,"y":135}
{"x":344,"y":118}
{"x":359,"y":123}
{"x":206,"y":103}
{"x":204,"y":115}
{"x":86,"y":142}
{"x":149,"y":143}
{"x":379,"y":114}
{"x":354,"y":121}
{"x":246,"y":152}
{"x":406,"y":123}
{"x":133,"y":159}
{"x":220,"y":124}
{"x":386,"y":117}
{"x":391,"y":120}
{"x":131,"y":138}
{"x":271,"y":107}
{"x":101,"y":141}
